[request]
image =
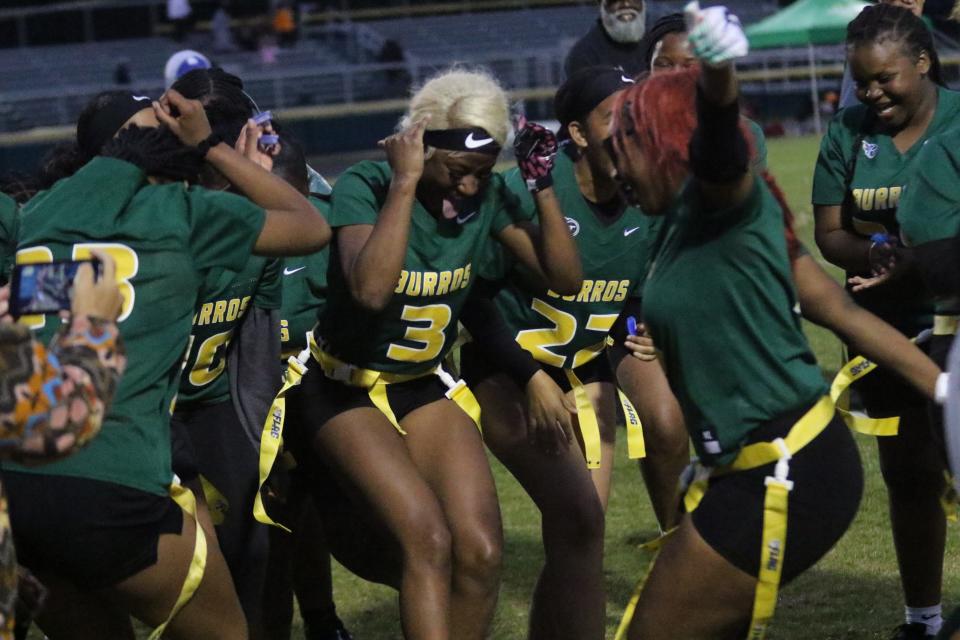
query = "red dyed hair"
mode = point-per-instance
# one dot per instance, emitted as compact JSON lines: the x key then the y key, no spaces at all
{"x":659,"y":115}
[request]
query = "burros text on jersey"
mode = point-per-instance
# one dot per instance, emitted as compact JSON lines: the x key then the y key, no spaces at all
{"x":221,"y":311}
{"x":433,"y":283}
{"x":599,"y":291}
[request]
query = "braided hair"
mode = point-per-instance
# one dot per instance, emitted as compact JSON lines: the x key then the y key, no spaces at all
{"x":227,"y":105}
{"x":157,"y":151}
{"x":887,"y":22}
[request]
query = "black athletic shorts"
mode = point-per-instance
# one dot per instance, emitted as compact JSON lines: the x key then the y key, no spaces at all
{"x":92,"y":533}
{"x":318,"y":399}
{"x":828,"y":484}
{"x":476,"y":368}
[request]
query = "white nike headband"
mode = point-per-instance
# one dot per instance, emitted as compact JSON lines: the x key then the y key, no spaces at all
{"x":475,"y":139}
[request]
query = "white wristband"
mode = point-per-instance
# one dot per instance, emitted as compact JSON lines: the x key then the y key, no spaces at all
{"x":941,"y":390}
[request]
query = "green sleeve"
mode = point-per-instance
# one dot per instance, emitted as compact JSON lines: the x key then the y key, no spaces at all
{"x":8,"y":236}
{"x":358,"y":196}
{"x":760,"y":147}
{"x":930,"y":206}
{"x":830,"y":175}
{"x":224,"y":228}
{"x":269,"y":294}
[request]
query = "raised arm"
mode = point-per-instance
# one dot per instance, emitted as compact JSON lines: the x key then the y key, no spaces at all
{"x":292,"y":226}
{"x":372,"y":256}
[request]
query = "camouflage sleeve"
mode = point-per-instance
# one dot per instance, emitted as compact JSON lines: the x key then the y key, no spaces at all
{"x":53,"y":401}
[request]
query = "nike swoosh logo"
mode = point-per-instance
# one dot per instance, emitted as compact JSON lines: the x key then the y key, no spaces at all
{"x":462,"y":219}
{"x":628,"y":80}
{"x":627,"y":232}
{"x":141,"y":98}
{"x":289,"y":272}
{"x":471,"y":143}
{"x":929,"y":616}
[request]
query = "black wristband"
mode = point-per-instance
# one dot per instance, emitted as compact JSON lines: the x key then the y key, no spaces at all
{"x":718,"y":150}
{"x":536,"y":185}
{"x":210,"y":142}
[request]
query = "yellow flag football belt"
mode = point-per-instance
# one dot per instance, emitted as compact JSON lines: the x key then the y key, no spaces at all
{"x":778,"y":487}
{"x":374,"y":382}
{"x":590,"y":426}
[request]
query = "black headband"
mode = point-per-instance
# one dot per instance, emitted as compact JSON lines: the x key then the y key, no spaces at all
{"x":95,"y":131}
{"x":474,"y":139}
{"x":586,"y":89}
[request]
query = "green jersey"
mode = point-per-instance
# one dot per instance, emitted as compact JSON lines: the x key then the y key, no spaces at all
{"x":8,"y":236}
{"x":760,"y":146}
{"x":225,"y":298}
{"x":930,"y":208}
{"x":569,"y":331}
{"x":881,"y":174}
{"x":720,"y":304}
{"x":419,"y":324}
{"x":165,"y":239}
{"x":304,"y":293}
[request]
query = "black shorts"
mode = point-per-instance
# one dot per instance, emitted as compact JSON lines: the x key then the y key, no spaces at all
{"x":93,"y":533}
{"x":884,"y":394}
{"x":318,"y":399}
{"x":476,"y":368}
{"x":828,"y":484}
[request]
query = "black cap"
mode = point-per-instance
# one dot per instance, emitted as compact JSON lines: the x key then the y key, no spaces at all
{"x":585,"y":89}
{"x":101,"y":122}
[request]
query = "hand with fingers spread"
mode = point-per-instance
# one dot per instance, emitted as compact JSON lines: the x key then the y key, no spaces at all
{"x":716,"y":35}
{"x":405,"y":151}
{"x":97,"y":298}
{"x":550,"y":414}
{"x":186,"y":118}
{"x":535,"y":148}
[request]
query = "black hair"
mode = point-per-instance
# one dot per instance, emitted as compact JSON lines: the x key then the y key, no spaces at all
{"x":157,"y":151}
{"x":291,"y":164}
{"x":670,"y":23}
{"x":881,"y":22}
{"x":227,"y":105}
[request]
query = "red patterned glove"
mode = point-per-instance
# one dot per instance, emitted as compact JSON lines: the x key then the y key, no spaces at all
{"x":535,"y":147}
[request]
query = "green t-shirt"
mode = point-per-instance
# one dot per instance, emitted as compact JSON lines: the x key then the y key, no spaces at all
{"x":720,"y":303}
{"x":760,"y":146}
{"x":225,"y":298}
{"x":8,"y":236}
{"x":165,"y":239}
{"x":419,"y":324}
{"x":930,"y":208}
{"x":569,"y":331}
{"x":881,"y":176}
{"x":304,"y":293}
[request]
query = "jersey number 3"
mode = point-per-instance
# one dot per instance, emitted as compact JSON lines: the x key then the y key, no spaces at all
{"x":127,"y":266}
{"x":431,"y":336}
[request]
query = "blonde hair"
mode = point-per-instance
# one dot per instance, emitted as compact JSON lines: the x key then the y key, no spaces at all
{"x":460,"y":98}
{"x":955,"y":13}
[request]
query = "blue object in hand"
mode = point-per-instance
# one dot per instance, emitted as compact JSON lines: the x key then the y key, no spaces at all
{"x":881,"y":238}
{"x":631,"y":325}
{"x":263,"y":117}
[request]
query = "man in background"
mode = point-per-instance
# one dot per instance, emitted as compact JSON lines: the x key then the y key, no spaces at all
{"x":614,"y":39}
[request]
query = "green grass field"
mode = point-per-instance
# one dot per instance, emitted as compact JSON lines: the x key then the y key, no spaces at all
{"x":853,"y":593}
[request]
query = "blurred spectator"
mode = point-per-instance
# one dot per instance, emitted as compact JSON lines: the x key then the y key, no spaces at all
{"x":220,"y":28}
{"x":180,"y":15}
{"x":181,"y":63}
{"x":392,"y":53}
{"x":285,"y":24}
{"x":121,"y":74}
{"x":614,"y":40}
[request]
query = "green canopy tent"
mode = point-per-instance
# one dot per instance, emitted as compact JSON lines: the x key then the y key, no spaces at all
{"x":806,"y":23}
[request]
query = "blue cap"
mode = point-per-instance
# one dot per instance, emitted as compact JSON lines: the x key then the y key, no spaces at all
{"x":183,"y":62}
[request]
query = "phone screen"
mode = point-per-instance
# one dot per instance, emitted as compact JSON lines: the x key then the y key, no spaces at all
{"x":44,"y":287}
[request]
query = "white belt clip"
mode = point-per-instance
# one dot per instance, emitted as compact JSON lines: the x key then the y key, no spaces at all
{"x":447,"y":379}
{"x":782,"y":470}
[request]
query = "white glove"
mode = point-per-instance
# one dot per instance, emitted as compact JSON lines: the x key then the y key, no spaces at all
{"x":715,"y":34}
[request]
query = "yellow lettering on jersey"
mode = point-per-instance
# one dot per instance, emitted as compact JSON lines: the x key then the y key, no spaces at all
{"x":466,"y":274}
{"x":539,"y":341}
{"x":596,"y":322}
{"x":244,"y":304}
{"x":233,"y":309}
{"x":457,"y":279}
{"x":623,"y":290}
{"x":866,"y":203}
{"x":430,"y":338}
{"x":127,"y":266}
{"x":597,"y":290}
{"x":880,"y":200}
{"x":443,"y":286}
{"x":414,"y":284}
{"x":610,"y":290}
{"x":284,"y":331}
{"x":858,"y":198}
{"x":552,"y":293}
{"x":219,"y":310}
{"x":584,"y":294}
{"x":205,"y":312}
{"x":895,"y":196}
{"x":404,"y":274}
{"x":429,"y":283}
{"x":34,"y":255}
